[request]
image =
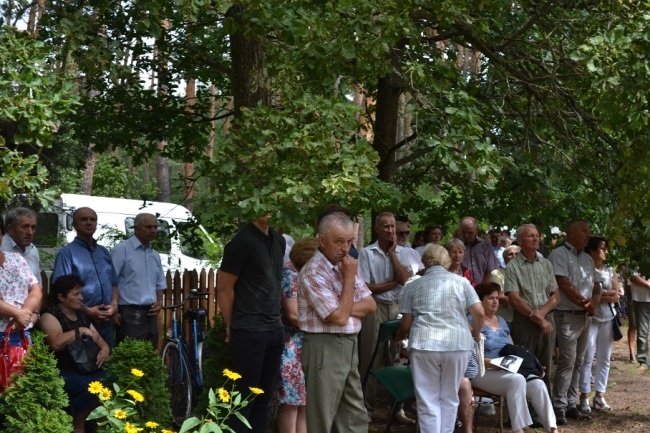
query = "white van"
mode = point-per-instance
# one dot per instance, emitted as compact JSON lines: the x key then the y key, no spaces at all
{"x":180,"y":238}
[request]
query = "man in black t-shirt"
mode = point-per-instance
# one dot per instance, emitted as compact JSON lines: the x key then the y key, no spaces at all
{"x":249,"y":297}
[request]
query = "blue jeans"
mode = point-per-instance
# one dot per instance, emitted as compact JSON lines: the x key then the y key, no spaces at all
{"x":256,"y":356}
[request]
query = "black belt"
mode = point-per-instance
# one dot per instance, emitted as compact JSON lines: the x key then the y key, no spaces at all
{"x":575,"y":312}
{"x":137,"y":307}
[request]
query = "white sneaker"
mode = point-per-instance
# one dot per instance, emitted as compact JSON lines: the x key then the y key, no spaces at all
{"x":402,"y":418}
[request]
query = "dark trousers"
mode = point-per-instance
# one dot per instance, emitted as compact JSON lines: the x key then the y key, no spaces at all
{"x":135,"y":323}
{"x":106,"y":330}
{"x":256,"y":356}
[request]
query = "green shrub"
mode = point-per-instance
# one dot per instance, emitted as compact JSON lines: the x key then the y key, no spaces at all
{"x":216,"y":359}
{"x":35,"y":402}
{"x":138,"y":354}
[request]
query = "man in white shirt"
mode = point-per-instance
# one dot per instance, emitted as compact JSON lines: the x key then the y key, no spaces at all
{"x":20,"y":226}
{"x":384,"y":267}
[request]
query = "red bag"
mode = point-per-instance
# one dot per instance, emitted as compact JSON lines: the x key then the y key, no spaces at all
{"x":10,"y":357}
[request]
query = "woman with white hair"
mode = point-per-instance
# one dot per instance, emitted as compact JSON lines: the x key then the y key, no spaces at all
{"x":440,"y":342}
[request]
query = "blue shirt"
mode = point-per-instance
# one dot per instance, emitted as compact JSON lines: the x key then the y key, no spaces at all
{"x":139,"y":272}
{"x":93,"y":266}
{"x":30,"y":254}
{"x":495,"y":339}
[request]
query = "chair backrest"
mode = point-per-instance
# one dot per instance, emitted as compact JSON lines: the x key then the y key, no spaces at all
{"x":388,"y":330}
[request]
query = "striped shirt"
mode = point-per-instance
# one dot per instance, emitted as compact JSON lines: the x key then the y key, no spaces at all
{"x":320,"y":284}
{"x":534,"y":280}
{"x":438,"y":302}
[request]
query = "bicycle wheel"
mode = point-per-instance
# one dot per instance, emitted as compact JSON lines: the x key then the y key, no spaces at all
{"x":179,"y":382}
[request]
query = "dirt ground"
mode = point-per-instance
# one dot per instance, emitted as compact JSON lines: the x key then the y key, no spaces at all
{"x":628,"y":394}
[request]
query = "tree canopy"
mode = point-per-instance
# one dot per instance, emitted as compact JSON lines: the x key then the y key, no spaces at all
{"x":509,"y":111}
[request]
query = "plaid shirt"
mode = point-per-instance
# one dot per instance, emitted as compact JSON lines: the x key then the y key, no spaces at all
{"x":319,"y":287}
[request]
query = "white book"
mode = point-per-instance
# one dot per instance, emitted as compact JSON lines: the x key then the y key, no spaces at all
{"x":510,"y":363}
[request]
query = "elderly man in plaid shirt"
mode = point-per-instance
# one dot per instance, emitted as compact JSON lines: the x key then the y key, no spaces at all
{"x":332,"y":299}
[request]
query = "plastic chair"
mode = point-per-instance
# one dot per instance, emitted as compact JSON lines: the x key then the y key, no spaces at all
{"x":387,"y":331}
{"x":398,"y":381}
{"x":480,"y":395}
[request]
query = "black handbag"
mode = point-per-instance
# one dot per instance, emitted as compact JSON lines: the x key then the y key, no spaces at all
{"x":616,"y":325}
{"x":83,"y":351}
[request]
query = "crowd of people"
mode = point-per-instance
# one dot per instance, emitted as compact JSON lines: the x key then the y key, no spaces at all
{"x":497,"y":290}
{"x":304,"y":329}
{"x":93,"y":294}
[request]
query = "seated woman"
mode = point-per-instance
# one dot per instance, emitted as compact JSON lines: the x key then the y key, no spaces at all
{"x":501,"y":382}
{"x":58,"y":323}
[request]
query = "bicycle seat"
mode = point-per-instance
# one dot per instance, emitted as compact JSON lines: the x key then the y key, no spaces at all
{"x":192,"y":313}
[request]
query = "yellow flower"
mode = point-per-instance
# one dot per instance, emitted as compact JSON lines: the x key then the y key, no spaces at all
{"x":120,"y":414}
{"x":130,"y":428}
{"x":136,"y":372}
{"x":95,"y":387}
{"x":223,"y":395}
{"x":105,"y":394}
{"x":136,"y":395}
{"x":208,"y":420}
{"x":231,"y":374}
{"x":151,"y":424}
{"x":256,"y":391}
{"x":166,"y":431}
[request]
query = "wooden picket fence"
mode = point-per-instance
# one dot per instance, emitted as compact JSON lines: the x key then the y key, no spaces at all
{"x":179,"y":286}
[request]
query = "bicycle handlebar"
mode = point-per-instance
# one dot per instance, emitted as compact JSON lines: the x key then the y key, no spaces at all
{"x":194,"y":294}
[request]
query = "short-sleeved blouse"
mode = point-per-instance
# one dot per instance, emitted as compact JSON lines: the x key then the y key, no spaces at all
{"x":16,"y":278}
{"x":495,"y":339}
{"x":604,"y":311}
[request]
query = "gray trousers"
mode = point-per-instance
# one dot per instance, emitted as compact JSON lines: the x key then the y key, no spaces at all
{"x":642,"y":317}
{"x":334,"y":399}
{"x":527,"y":334}
{"x":572,"y":335}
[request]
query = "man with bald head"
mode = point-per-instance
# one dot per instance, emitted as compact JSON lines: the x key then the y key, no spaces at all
{"x":92,"y":263}
{"x":479,"y":257}
{"x":141,"y":282}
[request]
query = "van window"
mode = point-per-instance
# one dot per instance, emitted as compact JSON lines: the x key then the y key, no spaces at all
{"x":163,"y":241}
{"x":47,"y":230}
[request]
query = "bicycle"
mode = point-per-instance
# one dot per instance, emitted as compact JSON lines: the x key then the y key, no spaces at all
{"x":184,"y":360}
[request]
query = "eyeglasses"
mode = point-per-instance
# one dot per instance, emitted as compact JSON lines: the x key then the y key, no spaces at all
{"x":404,"y":233}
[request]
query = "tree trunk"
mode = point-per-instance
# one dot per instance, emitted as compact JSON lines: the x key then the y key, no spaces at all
{"x":389,"y":92}
{"x":190,"y":99}
{"x":162,"y":163}
{"x":89,"y":172}
{"x":249,"y":83}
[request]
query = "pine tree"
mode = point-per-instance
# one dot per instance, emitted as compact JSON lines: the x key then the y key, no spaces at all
{"x":36,"y":400}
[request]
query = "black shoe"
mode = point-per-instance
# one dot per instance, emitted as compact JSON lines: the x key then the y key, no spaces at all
{"x":537,"y":423}
{"x":574,"y":413}
{"x":560,"y":418}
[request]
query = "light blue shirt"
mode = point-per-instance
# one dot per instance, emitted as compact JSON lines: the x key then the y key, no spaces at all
{"x":30,"y":254}
{"x":438,"y":302}
{"x":139,"y":272}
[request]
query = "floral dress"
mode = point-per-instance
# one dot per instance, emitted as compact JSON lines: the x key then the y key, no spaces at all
{"x":16,"y":278}
{"x":291,"y":382}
